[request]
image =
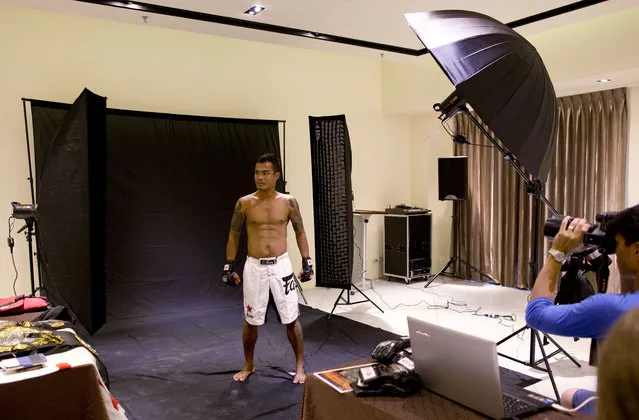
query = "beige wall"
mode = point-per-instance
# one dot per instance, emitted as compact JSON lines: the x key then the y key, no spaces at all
{"x":53,"y":57}
{"x":388,"y":105}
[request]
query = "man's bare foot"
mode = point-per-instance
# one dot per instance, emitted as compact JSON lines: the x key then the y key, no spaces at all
{"x":300,"y":377}
{"x":243,"y":375}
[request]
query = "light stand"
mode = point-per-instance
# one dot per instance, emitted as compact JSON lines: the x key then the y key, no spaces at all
{"x":27,"y":213}
{"x":451,"y":106}
{"x":29,"y":234}
{"x":366,"y":216}
{"x":347,"y":301}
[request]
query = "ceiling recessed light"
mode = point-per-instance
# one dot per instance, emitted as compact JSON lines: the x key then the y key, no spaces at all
{"x":603,"y":80}
{"x":255,"y":10}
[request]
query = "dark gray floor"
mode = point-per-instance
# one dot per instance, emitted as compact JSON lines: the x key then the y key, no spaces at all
{"x":180,"y":365}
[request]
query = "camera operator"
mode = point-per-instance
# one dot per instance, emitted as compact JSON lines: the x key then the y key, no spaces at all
{"x":593,"y":316}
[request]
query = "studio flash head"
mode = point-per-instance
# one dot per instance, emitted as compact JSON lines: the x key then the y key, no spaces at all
{"x":24,"y":211}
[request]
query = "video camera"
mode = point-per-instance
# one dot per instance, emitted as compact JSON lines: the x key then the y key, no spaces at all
{"x":596,"y":235}
{"x":574,"y":286}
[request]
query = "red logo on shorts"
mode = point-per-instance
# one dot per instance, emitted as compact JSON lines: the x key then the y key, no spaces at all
{"x":248,"y":308}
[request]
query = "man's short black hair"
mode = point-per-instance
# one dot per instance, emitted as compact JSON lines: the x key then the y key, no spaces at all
{"x":270,"y":157}
{"x":625,"y":223}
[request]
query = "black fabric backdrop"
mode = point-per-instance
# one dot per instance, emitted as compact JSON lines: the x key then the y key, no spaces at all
{"x":172,"y":183}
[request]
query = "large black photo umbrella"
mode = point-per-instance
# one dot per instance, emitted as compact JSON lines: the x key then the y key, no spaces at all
{"x":502,"y":77}
{"x":500,"y":74}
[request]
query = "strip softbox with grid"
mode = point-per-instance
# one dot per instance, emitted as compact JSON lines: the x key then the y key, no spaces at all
{"x":332,"y":201}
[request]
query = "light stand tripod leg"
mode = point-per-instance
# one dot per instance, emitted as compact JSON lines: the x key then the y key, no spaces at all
{"x":299,"y":288}
{"x":336,"y":302}
{"x":545,"y":359}
{"x":522,"y":329}
{"x":348,"y":300}
{"x":560,"y":349}
{"x":367,"y":298}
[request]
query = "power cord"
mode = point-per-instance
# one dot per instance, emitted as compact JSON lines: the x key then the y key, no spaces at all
{"x":11,"y":243}
{"x":512,"y":317}
{"x":572,"y":410}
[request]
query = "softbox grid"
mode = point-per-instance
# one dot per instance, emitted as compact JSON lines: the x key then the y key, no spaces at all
{"x":331,"y":161}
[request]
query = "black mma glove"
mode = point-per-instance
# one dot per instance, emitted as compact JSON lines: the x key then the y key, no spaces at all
{"x":228,"y":274}
{"x":307,"y":269}
{"x":386,"y":352}
{"x":393,"y":379}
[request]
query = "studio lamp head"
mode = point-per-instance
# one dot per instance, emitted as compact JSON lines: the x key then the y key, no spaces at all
{"x":24,"y":211}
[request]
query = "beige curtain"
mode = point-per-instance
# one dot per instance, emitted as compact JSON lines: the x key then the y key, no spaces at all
{"x":588,"y":175}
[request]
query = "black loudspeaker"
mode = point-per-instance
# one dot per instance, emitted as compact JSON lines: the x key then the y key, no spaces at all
{"x":453,"y":178}
{"x":407,"y":246}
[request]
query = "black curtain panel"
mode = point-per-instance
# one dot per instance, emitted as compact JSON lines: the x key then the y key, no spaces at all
{"x":331,"y":161}
{"x":172,"y":183}
{"x":71,"y":192}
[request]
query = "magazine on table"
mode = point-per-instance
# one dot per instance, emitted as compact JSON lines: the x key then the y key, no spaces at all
{"x":341,"y":379}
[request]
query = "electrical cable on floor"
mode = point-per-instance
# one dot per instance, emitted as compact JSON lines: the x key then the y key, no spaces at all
{"x":512,"y":317}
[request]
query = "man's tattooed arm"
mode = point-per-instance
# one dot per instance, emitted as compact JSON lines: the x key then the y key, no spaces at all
{"x":298,"y":226}
{"x":238,"y":218}
{"x":236,"y":228}
{"x":295,"y":216}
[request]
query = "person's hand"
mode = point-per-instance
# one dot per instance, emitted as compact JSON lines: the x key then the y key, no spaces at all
{"x":229,"y":276}
{"x":570,"y":237}
{"x":307,"y":269}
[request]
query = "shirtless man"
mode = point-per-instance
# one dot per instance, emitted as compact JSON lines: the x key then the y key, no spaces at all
{"x":268,"y":267}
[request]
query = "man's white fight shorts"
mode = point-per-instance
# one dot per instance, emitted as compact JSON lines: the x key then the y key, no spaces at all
{"x":274,"y":274}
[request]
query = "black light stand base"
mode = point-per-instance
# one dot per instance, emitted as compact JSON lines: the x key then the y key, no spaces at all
{"x":29,"y":222}
{"x":534,"y":335}
{"x":454,"y":260}
{"x":347,"y":301}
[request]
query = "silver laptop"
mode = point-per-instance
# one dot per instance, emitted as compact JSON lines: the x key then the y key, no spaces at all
{"x":464,"y":368}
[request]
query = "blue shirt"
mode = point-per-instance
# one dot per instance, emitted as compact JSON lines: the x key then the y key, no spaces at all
{"x":590,"y":318}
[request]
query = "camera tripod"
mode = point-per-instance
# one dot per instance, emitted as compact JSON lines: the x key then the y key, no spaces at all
{"x":455,"y":260}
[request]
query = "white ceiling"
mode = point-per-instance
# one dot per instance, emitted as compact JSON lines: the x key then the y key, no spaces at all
{"x":379,"y":21}
{"x":371,"y":20}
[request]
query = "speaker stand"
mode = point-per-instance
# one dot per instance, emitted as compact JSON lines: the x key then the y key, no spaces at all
{"x":456,"y":260}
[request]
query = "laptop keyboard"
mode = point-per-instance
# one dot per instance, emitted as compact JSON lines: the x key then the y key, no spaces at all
{"x":514,"y":405}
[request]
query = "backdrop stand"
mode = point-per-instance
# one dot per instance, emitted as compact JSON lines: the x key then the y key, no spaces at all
{"x":347,"y":301}
{"x":30,"y":232}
